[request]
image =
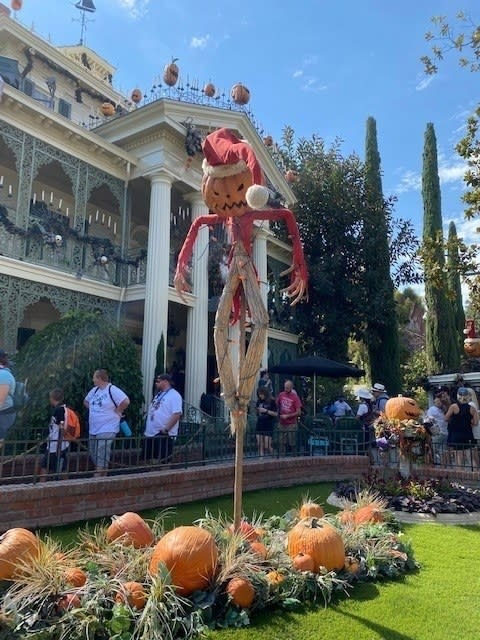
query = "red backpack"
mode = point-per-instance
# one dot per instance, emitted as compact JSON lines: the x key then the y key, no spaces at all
{"x":72,"y":425}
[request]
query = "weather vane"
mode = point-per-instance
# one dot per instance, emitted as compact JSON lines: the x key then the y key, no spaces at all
{"x":85,"y":6}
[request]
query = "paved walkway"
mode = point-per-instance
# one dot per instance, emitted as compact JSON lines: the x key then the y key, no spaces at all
{"x":415,"y":518}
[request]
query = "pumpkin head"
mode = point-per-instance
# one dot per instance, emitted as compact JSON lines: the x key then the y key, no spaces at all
{"x":291,"y":176}
{"x":136,"y":96}
{"x":303,"y":562}
{"x":241,"y":592}
{"x":133,"y":593}
{"x":170,"y":73}
{"x":76,"y":577}
{"x":226,"y":195}
{"x":189,"y":554}
{"x":402,"y":408}
{"x":16,"y":4}
{"x":240,"y":94}
{"x":471,"y":346}
{"x":16,"y":545}
{"x":268,"y":141}
{"x":319,"y":540}
{"x":132,"y":529}
{"x":108,"y":109}
{"x":311,"y":509}
{"x":209,"y":90}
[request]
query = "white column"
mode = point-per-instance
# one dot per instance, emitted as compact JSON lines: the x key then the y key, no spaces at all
{"x":155,"y":319}
{"x":197,"y":320}
{"x":260,"y":262}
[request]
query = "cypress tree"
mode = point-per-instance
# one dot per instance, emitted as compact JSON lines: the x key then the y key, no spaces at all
{"x":381,"y":334}
{"x":454,"y":284}
{"x":442,"y":345}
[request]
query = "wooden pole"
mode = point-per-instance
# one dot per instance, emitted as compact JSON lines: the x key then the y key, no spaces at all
{"x":242,"y":423}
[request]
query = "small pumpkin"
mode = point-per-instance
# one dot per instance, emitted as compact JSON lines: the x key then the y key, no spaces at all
{"x":133,"y":593}
{"x":319,"y":540}
{"x":246,"y":530}
{"x":303,"y":562}
{"x":352,"y":565}
{"x":189,"y":554}
{"x":75,"y":576}
{"x":275,"y":578}
{"x":209,"y":90}
{"x":259,"y":549}
{"x":130,"y":529}
{"x":136,"y":96}
{"x":240,"y":94}
{"x":310,"y":509}
{"x":241,"y":592}
{"x":346,"y":517}
{"x":226,"y":195}
{"x":69,"y":601}
{"x":402,"y":408}
{"x":291,"y":176}
{"x":16,"y":545}
{"x":170,"y":73}
{"x":368,"y":513}
{"x":107,"y":109}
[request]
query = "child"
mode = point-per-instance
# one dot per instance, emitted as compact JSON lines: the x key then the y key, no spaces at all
{"x":55,"y":458}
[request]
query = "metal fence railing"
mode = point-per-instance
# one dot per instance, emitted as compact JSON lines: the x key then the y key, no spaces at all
{"x":209,"y":442}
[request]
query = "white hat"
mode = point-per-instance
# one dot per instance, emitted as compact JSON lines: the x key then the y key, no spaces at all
{"x":378,"y":387}
{"x":365,"y":394}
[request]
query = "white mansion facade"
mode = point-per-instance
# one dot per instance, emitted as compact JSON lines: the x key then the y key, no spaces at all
{"x":94,"y":208}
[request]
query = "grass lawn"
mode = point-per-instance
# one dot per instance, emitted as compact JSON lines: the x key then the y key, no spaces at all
{"x":438,"y":602}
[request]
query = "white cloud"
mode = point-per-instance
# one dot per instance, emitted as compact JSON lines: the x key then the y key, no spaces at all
{"x":450,"y":171}
{"x":409,"y":181}
{"x":135,"y":8}
{"x":423,"y":83}
{"x":298,"y":73}
{"x":200,"y":42}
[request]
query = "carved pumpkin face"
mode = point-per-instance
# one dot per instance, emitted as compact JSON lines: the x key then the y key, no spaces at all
{"x":471,"y":346}
{"x":240,"y":94}
{"x":226,"y":196}
{"x":402,"y":409}
{"x":108,"y":109}
{"x":209,"y":90}
{"x":136,"y":96}
{"x":170,"y":73}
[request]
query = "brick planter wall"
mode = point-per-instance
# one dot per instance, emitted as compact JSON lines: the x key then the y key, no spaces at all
{"x":67,"y":501}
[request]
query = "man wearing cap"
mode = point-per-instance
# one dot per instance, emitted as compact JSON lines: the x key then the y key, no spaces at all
{"x":380,"y":394}
{"x":161,"y":426}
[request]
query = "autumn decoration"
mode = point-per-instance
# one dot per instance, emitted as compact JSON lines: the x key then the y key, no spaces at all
{"x":170,"y":73}
{"x":320,"y":540}
{"x":136,"y":96}
{"x":130,"y":528}
{"x":108,"y":109}
{"x":240,"y":94}
{"x":209,"y":90}
{"x":17,"y":546}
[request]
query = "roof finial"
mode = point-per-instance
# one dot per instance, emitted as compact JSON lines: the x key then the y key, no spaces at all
{"x":84,"y":6}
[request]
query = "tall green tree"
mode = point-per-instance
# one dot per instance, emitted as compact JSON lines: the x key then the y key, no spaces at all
{"x":454,"y":284}
{"x":442,"y":347}
{"x":381,"y":333}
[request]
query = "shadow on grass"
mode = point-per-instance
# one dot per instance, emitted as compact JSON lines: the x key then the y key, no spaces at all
{"x":382,"y":632}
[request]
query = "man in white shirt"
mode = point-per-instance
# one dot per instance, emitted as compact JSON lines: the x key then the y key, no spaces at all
{"x":163,"y":417}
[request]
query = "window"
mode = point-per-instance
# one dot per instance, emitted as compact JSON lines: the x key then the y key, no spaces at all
{"x":28,"y":87}
{"x":64,"y":108}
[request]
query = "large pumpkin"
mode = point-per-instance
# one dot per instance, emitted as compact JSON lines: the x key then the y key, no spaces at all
{"x":402,"y":408}
{"x":319,"y":540}
{"x":226,"y":195}
{"x":240,"y":94}
{"x":190,"y":555}
{"x":130,"y":528}
{"x":170,"y":73}
{"x":16,"y":546}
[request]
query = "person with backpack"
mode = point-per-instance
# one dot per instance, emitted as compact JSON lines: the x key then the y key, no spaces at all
{"x":106,"y":404}
{"x":366,"y":415}
{"x":55,"y":457}
{"x":7,"y":389}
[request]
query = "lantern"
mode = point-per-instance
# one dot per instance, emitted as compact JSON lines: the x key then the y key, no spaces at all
{"x":240,"y":94}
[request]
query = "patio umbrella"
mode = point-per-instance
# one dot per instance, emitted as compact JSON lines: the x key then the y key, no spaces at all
{"x":313,"y":366}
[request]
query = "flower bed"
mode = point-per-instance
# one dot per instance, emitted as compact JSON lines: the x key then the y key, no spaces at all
{"x":117,"y":583}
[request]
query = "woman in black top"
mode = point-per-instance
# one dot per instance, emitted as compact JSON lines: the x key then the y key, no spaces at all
{"x":461,"y":417}
{"x":266,"y":417}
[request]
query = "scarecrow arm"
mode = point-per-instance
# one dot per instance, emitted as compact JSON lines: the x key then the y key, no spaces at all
{"x":182,"y":272}
{"x":297,"y":289}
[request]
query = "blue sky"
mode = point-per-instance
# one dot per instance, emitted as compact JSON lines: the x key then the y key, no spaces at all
{"x":321,"y":67}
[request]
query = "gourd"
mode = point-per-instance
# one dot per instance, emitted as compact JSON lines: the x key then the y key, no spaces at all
{"x":319,"y":540}
{"x":240,"y":94}
{"x":133,"y":593}
{"x":75,"y":576}
{"x":190,"y":555}
{"x":401,"y":408}
{"x":130,"y":529}
{"x":17,"y":545}
{"x":170,"y":73}
{"x":259,"y":549}
{"x":226,"y":195}
{"x":241,"y":592}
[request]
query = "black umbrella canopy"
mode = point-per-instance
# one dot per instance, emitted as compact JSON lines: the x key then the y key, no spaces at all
{"x":317,"y":366}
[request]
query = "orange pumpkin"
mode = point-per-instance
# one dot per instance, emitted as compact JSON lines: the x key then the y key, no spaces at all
{"x":170,"y":73}
{"x":189,"y":554}
{"x":352,"y":565}
{"x":241,"y":592}
{"x":132,"y":529}
{"x":209,"y":90}
{"x":108,"y":109}
{"x":16,"y":545}
{"x":246,"y":530}
{"x":136,"y":96}
{"x":133,"y":593}
{"x":259,"y":549}
{"x":346,"y":517}
{"x":240,"y":94}
{"x":471,"y":346}
{"x":311,"y":509}
{"x":275,"y":578}
{"x":402,"y":408}
{"x":16,"y":4}
{"x":291,"y":176}
{"x":76,"y":577}
{"x":303,"y":562}
{"x":319,"y":540}
{"x":368,"y":513}
{"x":69,"y":601}
{"x":226,"y":196}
